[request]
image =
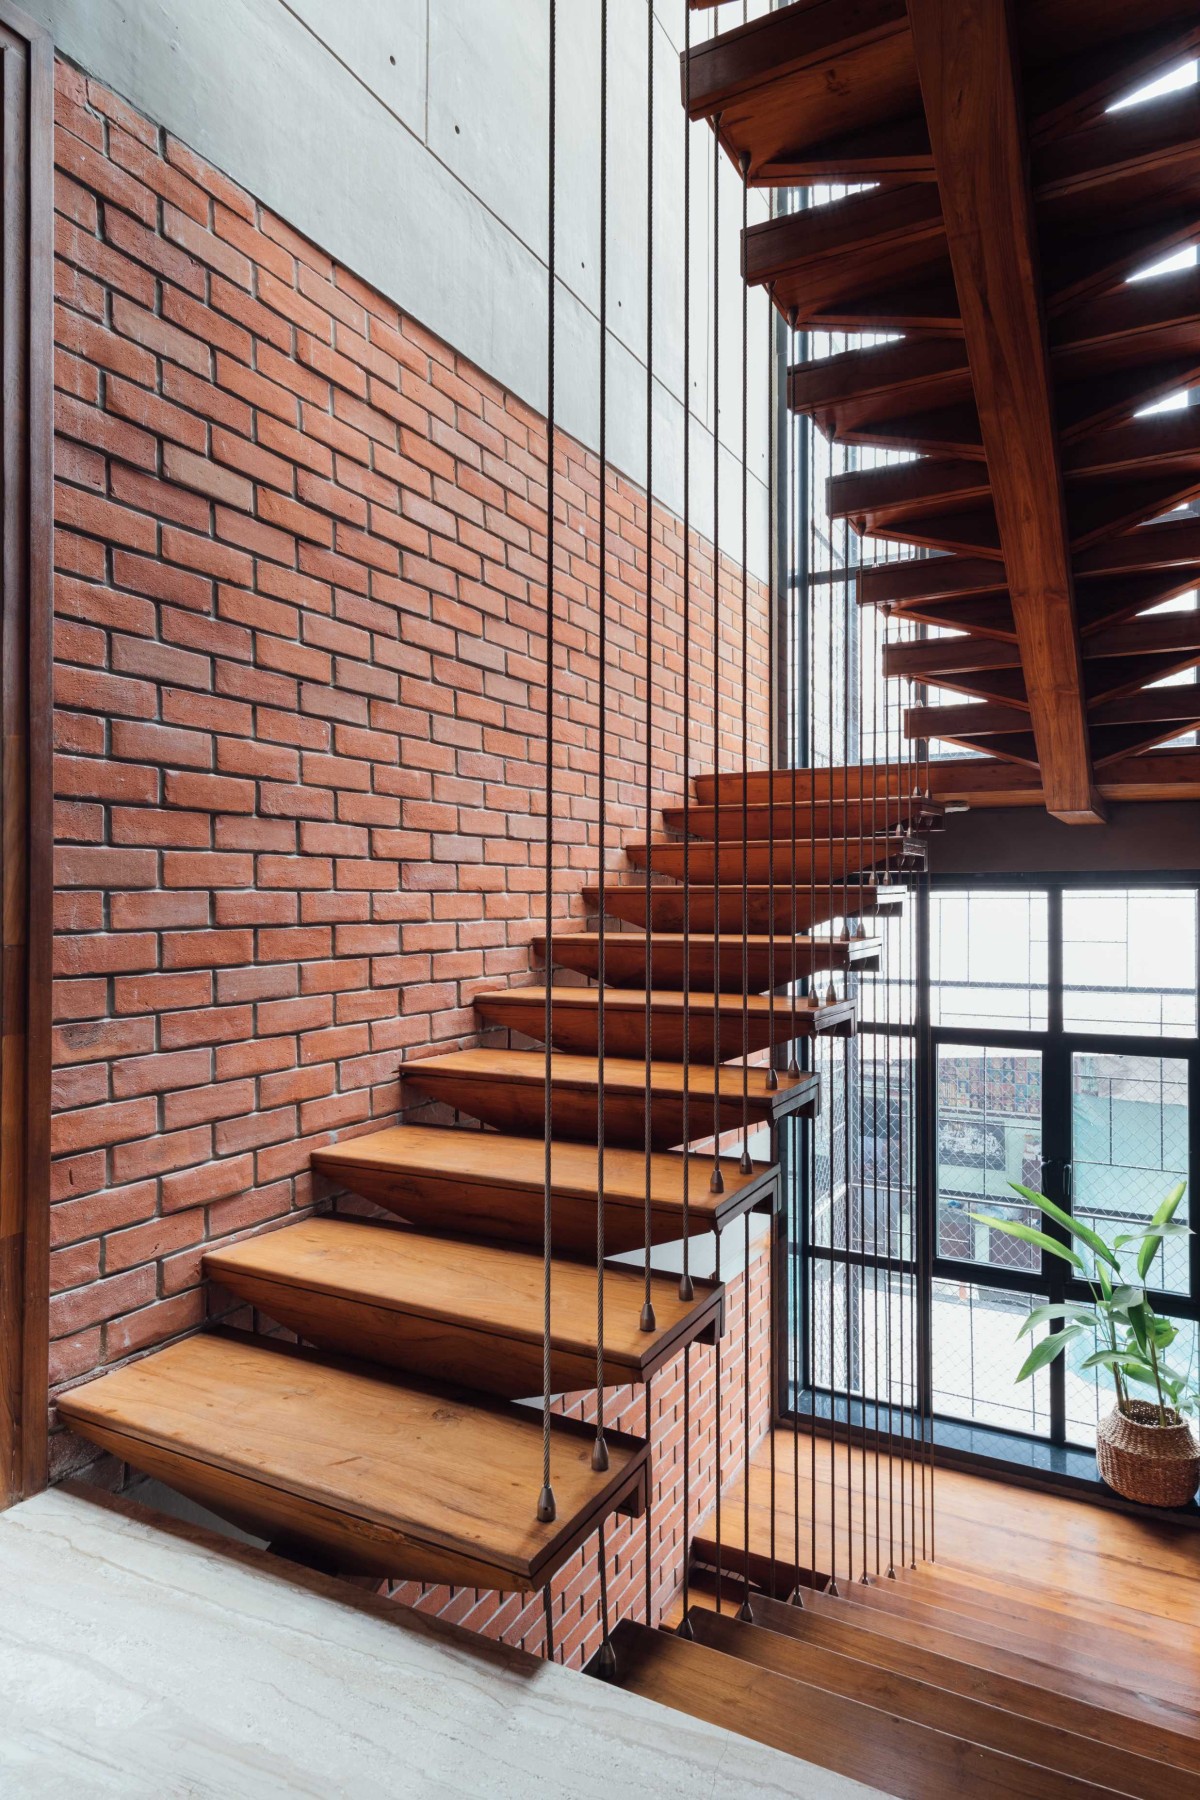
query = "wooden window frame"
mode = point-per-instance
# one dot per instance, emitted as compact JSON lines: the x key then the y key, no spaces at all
{"x":26,"y":739}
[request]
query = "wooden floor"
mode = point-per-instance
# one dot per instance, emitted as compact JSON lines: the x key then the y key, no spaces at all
{"x":1086,"y":1557}
{"x":1051,"y":1647}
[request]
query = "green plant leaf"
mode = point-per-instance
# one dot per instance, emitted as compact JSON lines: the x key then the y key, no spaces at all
{"x":1069,"y":1223}
{"x":1043,"y":1352}
{"x":1161,"y":1219}
{"x":1065,"y":1309}
{"x":1104,"y":1359}
{"x":1029,"y":1235}
{"x":1140,"y":1319}
{"x":1155,"y":1234}
{"x":1166,"y":1211}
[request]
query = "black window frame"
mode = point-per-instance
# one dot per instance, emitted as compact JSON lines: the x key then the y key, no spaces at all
{"x":1056,"y":1045}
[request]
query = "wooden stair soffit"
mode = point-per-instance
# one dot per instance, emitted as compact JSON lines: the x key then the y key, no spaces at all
{"x":1012,"y":201}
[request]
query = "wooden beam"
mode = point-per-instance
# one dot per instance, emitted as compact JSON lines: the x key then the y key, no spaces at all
{"x":980,"y":720}
{"x":929,"y":579}
{"x":827,"y":255}
{"x":934,"y":659}
{"x":26,"y":874}
{"x":965,"y":63}
{"x":895,"y":154}
{"x":982,"y":618}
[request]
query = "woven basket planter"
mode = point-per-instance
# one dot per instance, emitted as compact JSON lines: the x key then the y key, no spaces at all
{"x":1158,"y":1465}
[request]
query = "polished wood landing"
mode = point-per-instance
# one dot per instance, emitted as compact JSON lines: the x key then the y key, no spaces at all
{"x":1058,"y":1636}
{"x":1091,"y":1558}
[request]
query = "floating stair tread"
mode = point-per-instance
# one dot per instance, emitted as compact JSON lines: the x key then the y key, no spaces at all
{"x":508,"y":1162}
{"x":416,"y":1475}
{"x":664,"y":1002}
{"x":701,"y":820}
{"x":622,"y":1075}
{"x":911,"y":1694}
{"x":853,"y":950}
{"x":1018,"y":1688}
{"x":849,"y":898}
{"x":507,"y":1089}
{"x":489,"y":1289}
{"x":867,"y":1743}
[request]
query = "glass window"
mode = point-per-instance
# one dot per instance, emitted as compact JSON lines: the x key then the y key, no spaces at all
{"x":888,"y":994}
{"x":871,"y":1323}
{"x":989,"y":1134}
{"x":988,"y":963}
{"x":976,"y":1357}
{"x":1129,"y":961}
{"x":1129,"y":1132}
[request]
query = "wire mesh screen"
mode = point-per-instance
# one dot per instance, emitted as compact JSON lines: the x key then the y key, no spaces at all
{"x":1129,"y":1129}
{"x":988,"y":1130}
{"x":975,"y":1359}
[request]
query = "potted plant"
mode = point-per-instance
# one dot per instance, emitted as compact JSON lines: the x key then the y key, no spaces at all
{"x":1144,"y":1448}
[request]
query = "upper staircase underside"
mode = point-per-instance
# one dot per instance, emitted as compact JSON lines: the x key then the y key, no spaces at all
{"x":1008,"y":211}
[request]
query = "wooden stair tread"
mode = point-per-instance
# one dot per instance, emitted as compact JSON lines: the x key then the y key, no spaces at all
{"x":770,"y":961}
{"x":823,"y":944}
{"x":621,"y":1074}
{"x":913,"y":1695}
{"x":491,"y":1184}
{"x":1024,"y":1694}
{"x":587,"y":999}
{"x":395,"y":1477}
{"x":945,"y":1584}
{"x":1032,"y":1611}
{"x":487,"y":1292}
{"x":807,"y":905}
{"x":881,"y":896}
{"x":813,"y":817}
{"x":1021,"y":1661}
{"x":867,"y":1743}
{"x":1035,"y":1631}
{"x":704,"y":1027}
{"x":703,"y":857}
{"x":506,"y":1088}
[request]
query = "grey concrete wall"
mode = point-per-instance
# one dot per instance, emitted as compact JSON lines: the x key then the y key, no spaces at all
{"x":408,"y":139}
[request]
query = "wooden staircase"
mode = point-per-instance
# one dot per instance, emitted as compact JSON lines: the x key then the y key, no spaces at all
{"x":1005,"y":207}
{"x":392,"y":1439}
{"x":937,"y":1683}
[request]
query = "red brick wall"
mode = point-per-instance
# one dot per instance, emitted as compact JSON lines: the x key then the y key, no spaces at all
{"x":300,"y":653}
{"x":300,"y":656}
{"x":575,"y":1597}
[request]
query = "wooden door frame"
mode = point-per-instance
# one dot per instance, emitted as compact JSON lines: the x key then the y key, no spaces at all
{"x":26,"y":738}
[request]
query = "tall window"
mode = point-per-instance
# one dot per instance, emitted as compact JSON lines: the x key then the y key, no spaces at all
{"x":1057,"y":1047}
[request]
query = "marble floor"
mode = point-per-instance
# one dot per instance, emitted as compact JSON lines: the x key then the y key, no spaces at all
{"x":147,"y":1659}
